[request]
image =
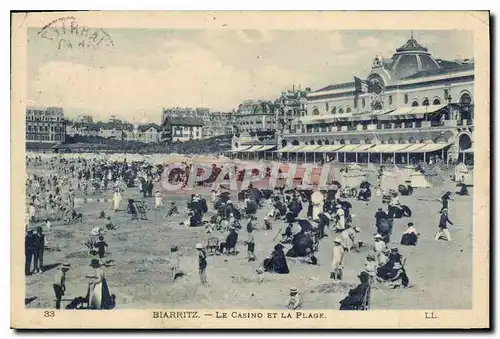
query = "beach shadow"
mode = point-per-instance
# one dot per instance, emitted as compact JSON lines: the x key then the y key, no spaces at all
{"x":28,"y":301}
{"x":179,"y":274}
{"x":50,"y":266}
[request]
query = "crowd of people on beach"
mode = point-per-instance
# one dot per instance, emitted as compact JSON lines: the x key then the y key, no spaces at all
{"x":304,"y":220}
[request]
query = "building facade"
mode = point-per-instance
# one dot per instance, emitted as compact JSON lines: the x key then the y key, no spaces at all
{"x":220,"y":123}
{"x":408,"y":108}
{"x":290,"y":106}
{"x":181,"y":129}
{"x":148,"y":133}
{"x":214,"y":123}
{"x":254,"y":127}
{"x":45,"y":125}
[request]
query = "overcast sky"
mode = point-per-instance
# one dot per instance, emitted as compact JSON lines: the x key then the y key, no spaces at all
{"x":148,"y":69}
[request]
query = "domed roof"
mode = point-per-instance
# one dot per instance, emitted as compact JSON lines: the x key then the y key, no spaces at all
{"x":412,"y":58}
{"x":411,"y":45}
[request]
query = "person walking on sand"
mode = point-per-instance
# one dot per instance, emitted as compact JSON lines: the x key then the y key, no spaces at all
{"x":29,"y":248}
{"x":117,"y":198}
{"x":379,"y":247}
{"x":60,"y":284}
{"x":158,"y":200}
{"x":202,"y":263}
{"x":175,"y":261}
{"x":444,"y":201}
{"x":443,"y":231}
{"x":337,"y":260}
{"x":250,"y":242}
{"x":101,"y":249}
{"x":39,"y":247}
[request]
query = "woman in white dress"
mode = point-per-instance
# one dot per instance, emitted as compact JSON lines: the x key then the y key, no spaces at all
{"x":117,"y":198}
{"x":99,"y":297}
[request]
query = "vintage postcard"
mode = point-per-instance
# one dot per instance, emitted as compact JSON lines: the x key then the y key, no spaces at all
{"x":250,"y":170}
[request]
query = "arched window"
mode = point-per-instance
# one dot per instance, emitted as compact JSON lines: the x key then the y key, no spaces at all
{"x":464,"y":142}
{"x":368,"y":141}
{"x":342,"y":142}
{"x":319,"y":142}
{"x":348,"y":110}
{"x":466,"y":106}
{"x":355,"y":141}
{"x":341,"y":110}
{"x":414,"y":103}
{"x":363,"y":102}
{"x":327,"y":107}
{"x":334,"y":110}
{"x":390,"y":100}
{"x":315,"y":111}
{"x":406,"y":99}
{"x":283,"y":143}
{"x":425,"y":102}
{"x":401,"y":141}
{"x":390,"y":141}
{"x":327,"y":142}
{"x":311,"y":142}
{"x":295,"y":142}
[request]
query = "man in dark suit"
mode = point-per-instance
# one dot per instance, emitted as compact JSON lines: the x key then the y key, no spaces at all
{"x":28,"y":251}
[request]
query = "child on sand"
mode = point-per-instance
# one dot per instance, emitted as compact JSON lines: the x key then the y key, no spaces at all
{"x":294,"y":302}
{"x":202,"y":262}
{"x":101,"y":249}
{"x":175,"y":261}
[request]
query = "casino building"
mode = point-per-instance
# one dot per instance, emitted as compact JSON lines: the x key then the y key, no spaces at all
{"x":411,"y":107}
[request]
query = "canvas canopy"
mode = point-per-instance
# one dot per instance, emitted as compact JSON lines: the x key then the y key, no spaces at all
{"x":418,"y":180}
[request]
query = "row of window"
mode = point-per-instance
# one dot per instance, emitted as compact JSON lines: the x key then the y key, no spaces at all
{"x":45,"y":137}
{"x":465,"y":99}
{"x":35,"y":129}
{"x":256,"y":122}
{"x":411,"y":140}
{"x":43,"y":118}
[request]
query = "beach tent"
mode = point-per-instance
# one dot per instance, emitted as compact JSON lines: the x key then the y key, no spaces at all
{"x":418,"y":180}
{"x":403,"y":173}
{"x":462,"y":171}
{"x":353,"y":178}
{"x":391,"y":180}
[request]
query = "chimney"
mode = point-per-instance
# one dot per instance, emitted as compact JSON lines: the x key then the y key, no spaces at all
{"x":293,"y":88}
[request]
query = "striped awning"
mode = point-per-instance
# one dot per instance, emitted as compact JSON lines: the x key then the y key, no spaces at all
{"x":289,"y":149}
{"x":432,"y":147}
{"x":329,"y":148}
{"x":371,"y":115}
{"x":385,"y":148}
{"x":413,"y":148}
{"x":267,"y":148}
{"x":364,"y":148}
{"x":253,"y":149}
{"x":309,"y":148}
{"x":349,"y":148}
{"x":238,"y":149}
{"x":314,"y":119}
{"x":410,"y":112}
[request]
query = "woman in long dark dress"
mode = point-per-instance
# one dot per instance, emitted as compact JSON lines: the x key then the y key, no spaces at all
{"x":277,"y":261}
